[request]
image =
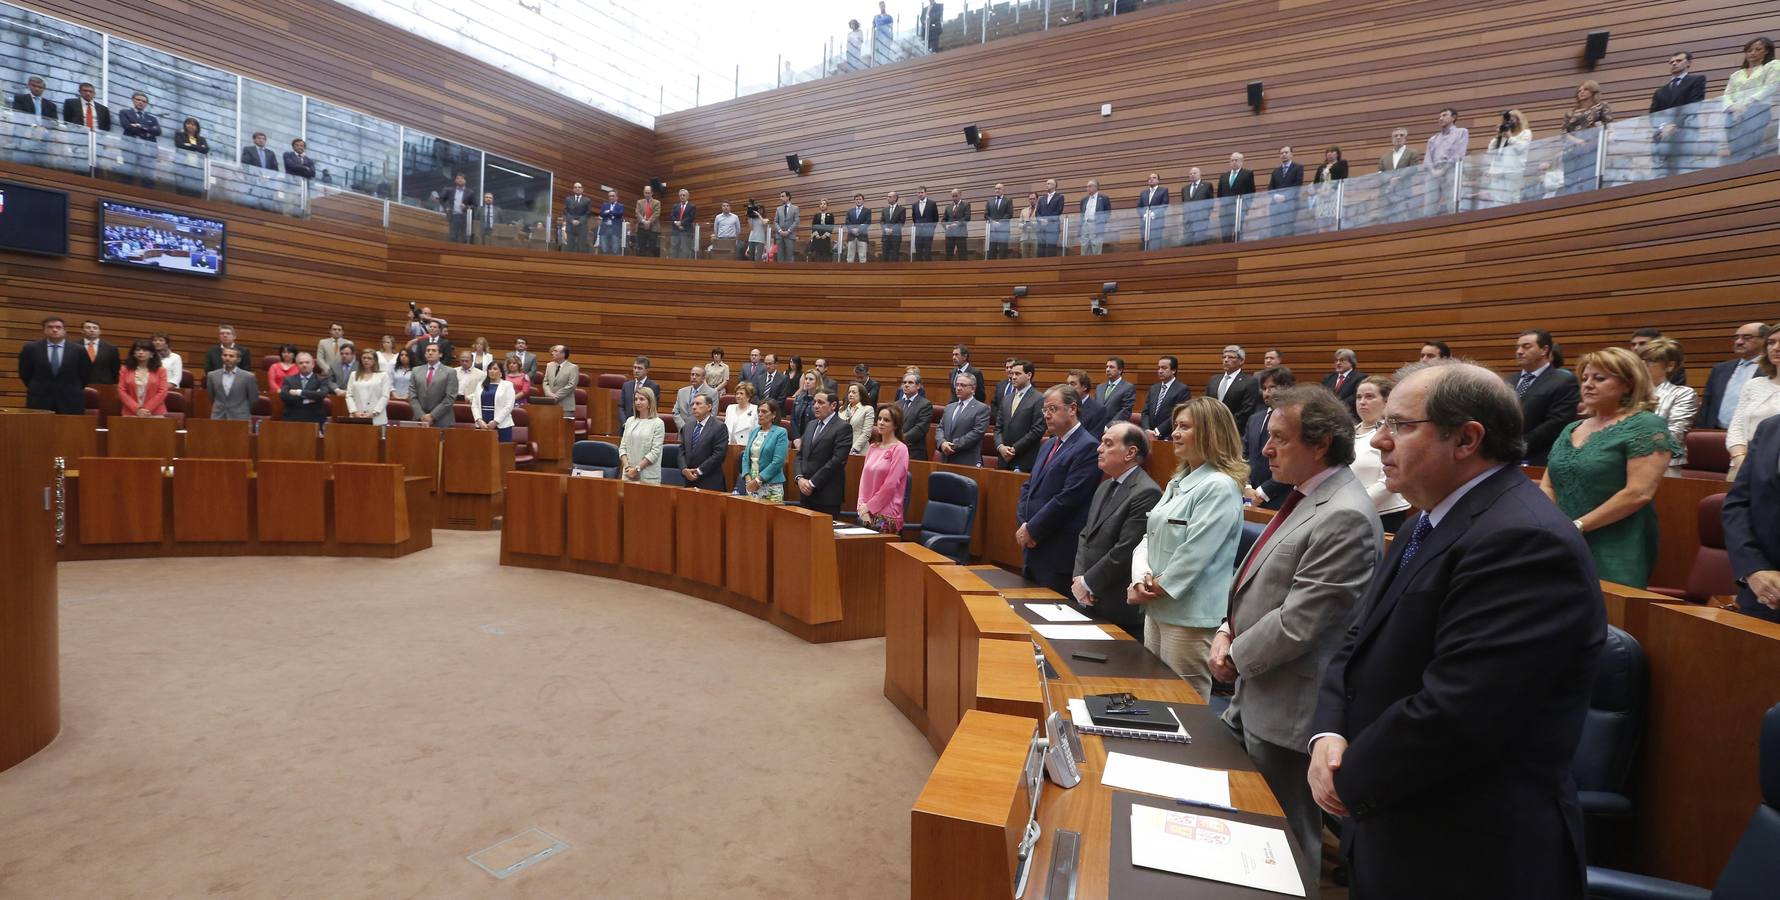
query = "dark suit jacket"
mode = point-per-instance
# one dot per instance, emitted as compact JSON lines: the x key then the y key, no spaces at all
{"x":1545,"y":409}
{"x":627,"y":398}
{"x":1462,"y":685}
{"x":213,"y":360}
{"x":105,"y":363}
{"x":1716,"y":383}
{"x":893,"y":219}
{"x":823,"y":460}
{"x":683,"y":219}
{"x":1094,"y":416}
{"x":1144,"y":200}
{"x":706,"y":454}
{"x":1337,"y":170}
{"x":1260,"y":475}
{"x":779,"y":387}
{"x":858,"y":223}
{"x":1021,"y":429}
{"x":417,"y":352}
{"x":1243,"y":397}
{"x":71,"y":113}
{"x":1287,"y":176}
{"x":295,"y":394}
{"x":1349,"y":386}
{"x":22,"y":103}
{"x":1121,"y":402}
{"x":924,"y":216}
{"x":1204,"y":190}
{"x":303,"y":166}
{"x":63,"y":391}
{"x":1245,"y":183}
{"x":1112,"y":531}
{"x":1054,"y":502}
{"x":917,"y":415}
{"x":142,"y":125}
{"x":957,"y":219}
{"x":252,"y":156}
{"x":998,"y":210}
{"x":966,"y":430}
{"x":1161,"y":419}
{"x":1692,"y":89}
{"x":822,"y":226}
{"x":1050,"y":206}
{"x":1752,"y":516}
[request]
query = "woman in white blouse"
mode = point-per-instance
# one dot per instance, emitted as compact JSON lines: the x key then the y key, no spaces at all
{"x":1508,"y":159}
{"x":386,"y":355}
{"x":639,"y":449}
{"x":367,"y":394}
{"x":1746,"y":96}
{"x":170,"y":361}
{"x":1759,"y":400}
{"x":860,"y":416}
{"x":740,"y":417}
{"x":1676,"y":403}
{"x":480,"y":355}
{"x":1369,"y":400}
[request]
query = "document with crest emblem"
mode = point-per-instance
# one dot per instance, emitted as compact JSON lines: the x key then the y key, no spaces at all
{"x":1190,"y":843}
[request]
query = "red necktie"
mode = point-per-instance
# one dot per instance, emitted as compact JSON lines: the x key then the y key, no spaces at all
{"x":1339,"y":381}
{"x":1055,"y":446}
{"x":89,"y":116}
{"x":429,"y":375}
{"x":1278,"y":517}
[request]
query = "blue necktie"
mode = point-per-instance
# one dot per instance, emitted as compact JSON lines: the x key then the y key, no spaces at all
{"x":1423,"y":525}
{"x":55,"y":359}
{"x":1526,"y":381}
{"x":696,"y":431}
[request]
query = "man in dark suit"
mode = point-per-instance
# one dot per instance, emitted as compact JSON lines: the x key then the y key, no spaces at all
{"x":1053,"y":508}
{"x":577,"y":213}
{"x":1263,"y":489}
{"x":611,"y":227}
{"x":998,"y":212}
{"x":225,"y":340}
{"x":54,"y":371}
{"x":1195,"y":198}
{"x":101,"y":353}
{"x":961,"y":366}
{"x":1282,"y":198}
{"x":1449,"y":716}
{"x":1548,"y":392}
{"x":298,"y":162}
{"x":1117,"y":395}
{"x":821,"y":234}
{"x":868,"y":384}
{"x":1344,"y":382}
{"x":456,"y":202}
{"x":258,"y":154}
{"x":856,"y":234}
{"x":138,"y":122}
{"x":772,"y":382}
{"x":1094,"y":416}
{"x":681,"y":220}
{"x":895,"y":216}
{"x":822,"y":457}
{"x":627,"y":393}
{"x":86,"y":110}
{"x":434,"y":337}
{"x":488,"y":215}
{"x":957,"y":219}
{"x":925,"y":214}
{"x":962,"y":425}
{"x":917,"y":414}
{"x":1167,"y":393}
{"x":1118,"y":517}
{"x":1050,"y":220}
{"x":1002,"y":389}
{"x":1021,"y":423}
{"x":1752,"y":524}
{"x":703,"y":447}
{"x":1669,"y":142}
{"x":1724,"y":386}
{"x":33,"y":102}
{"x":1152,"y":211}
{"x":1235,"y":388}
{"x":305,"y":392}
{"x":1234,"y":185}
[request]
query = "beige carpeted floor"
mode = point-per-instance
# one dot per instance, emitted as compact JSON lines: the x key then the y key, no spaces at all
{"x":356,"y":728}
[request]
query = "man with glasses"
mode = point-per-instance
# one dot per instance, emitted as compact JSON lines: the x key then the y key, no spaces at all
{"x":1725,"y":385}
{"x":1054,"y":502}
{"x":1423,"y":728}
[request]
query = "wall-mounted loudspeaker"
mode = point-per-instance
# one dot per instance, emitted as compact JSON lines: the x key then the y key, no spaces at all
{"x":658,"y":186}
{"x":1596,"y":48}
{"x":793,"y":163}
{"x":1254,"y":95}
{"x":973,"y":137}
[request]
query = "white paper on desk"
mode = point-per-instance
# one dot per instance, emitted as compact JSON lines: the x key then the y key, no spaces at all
{"x":1202,"y":846}
{"x":854,"y":529}
{"x":1166,"y":779}
{"x":1072,"y":632}
{"x":1057,"y":612}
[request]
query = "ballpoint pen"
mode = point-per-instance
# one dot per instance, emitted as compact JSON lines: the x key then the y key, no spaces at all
{"x":1183,"y":801}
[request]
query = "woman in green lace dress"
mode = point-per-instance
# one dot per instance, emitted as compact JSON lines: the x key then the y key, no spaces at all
{"x":1604,"y":469}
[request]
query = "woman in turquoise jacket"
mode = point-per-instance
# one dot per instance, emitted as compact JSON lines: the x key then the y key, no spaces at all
{"x":763,"y":460}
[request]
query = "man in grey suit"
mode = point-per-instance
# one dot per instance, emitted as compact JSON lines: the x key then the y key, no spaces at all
{"x":917,"y":414}
{"x":560,"y":378}
{"x":704,"y":443}
{"x":327,"y":350}
{"x":1117,"y":395}
{"x":1294,"y":596}
{"x":785,"y":227}
{"x":232,"y":389}
{"x":432,"y":389}
{"x":963,"y":425}
{"x":683,"y":415}
{"x":528,"y":361}
{"x":1117,"y":519}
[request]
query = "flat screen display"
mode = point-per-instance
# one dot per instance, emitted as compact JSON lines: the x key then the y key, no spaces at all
{"x":33,"y":220}
{"x":149,"y":238}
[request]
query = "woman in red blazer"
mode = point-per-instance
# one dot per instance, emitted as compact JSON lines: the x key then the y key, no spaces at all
{"x":142,"y":385}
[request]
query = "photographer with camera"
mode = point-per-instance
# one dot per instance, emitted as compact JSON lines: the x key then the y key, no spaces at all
{"x":418,"y":317}
{"x":1507,"y":161}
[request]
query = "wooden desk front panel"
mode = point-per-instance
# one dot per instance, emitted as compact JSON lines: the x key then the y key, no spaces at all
{"x":470,"y":462}
{"x":1677,"y":506}
{"x":72,"y":437}
{"x":120,"y":500}
{"x":292,"y":501}
{"x":595,"y":531}
{"x":353,"y":443}
{"x":966,"y":825}
{"x":416,"y":450}
{"x":289,"y":441}
{"x":553,"y":434}
{"x":698,"y":535}
{"x":210,"y":500}
{"x":141,"y":436}
{"x":648,"y":516}
{"x":30,"y":655}
{"x":1007,"y":680}
{"x":998,"y":506}
{"x":944,"y":615}
{"x":370,"y":503}
{"x":905,"y":625}
{"x":747,"y":550}
{"x":806,"y":575}
{"x":536,"y":503}
{"x":218,"y":438}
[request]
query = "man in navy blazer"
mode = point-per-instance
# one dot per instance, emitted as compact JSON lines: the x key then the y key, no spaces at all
{"x":1671,"y":135}
{"x":1449,"y":717}
{"x":54,"y":371}
{"x":1726,"y":381}
{"x":1234,"y":185}
{"x":1282,"y":199}
{"x":297,"y":161}
{"x":33,"y":101}
{"x":703,"y":447}
{"x":258,"y":154}
{"x":1549,"y":393}
{"x":1168,"y":392}
{"x":305,"y":392}
{"x":1050,"y":219}
{"x":138,"y":122}
{"x":1152,"y":210}
{"x":1752,"y":524}
{"x":822,"y":457}
{"x":74,"y":109}
{"x":627,"y":393}
{"x":1054,"y":502}
{"x":1262,"y":490}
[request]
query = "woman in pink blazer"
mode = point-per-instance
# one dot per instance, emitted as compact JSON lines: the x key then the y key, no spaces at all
{"x":886,"y":474}
{"x":142,"y":385}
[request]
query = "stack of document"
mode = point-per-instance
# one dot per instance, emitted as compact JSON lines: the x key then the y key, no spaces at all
{"x":1072,"y":632}
{"x":1057,"y":612}
{"x":1204,"y":846}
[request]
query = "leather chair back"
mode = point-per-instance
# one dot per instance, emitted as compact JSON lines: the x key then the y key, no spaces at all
{"x":951,"y":511}
{"x":175,"y":402}
{"x":670,"y":464}
{"x":1706,"y":451}
{"x":262,"y":406}
{"x":601,"y":455}
{"x":399,"y":411}
{"x":1710,"y":575}
{"x":1614,"y":724}
{"x":611,"y":381}
{"x":1754,"y":866}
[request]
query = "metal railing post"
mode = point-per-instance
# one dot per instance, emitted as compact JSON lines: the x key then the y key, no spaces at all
{"x":1458,"y":183}
{"x":1600,"y":156}
{"x":1340,"y":200}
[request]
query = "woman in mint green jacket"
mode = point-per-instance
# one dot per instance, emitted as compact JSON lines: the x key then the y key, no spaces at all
{"x":763,"y":459}
{"x":1183,"y":568}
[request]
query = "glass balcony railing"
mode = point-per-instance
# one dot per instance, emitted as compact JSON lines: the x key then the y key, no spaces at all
{"x":1688,"y":139}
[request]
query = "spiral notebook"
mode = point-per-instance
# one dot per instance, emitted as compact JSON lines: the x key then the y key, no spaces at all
{"x":1078,"y":713}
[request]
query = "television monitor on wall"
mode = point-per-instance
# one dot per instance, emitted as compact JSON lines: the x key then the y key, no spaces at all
{"x":33,"y":220}
{"x":146,"y":237}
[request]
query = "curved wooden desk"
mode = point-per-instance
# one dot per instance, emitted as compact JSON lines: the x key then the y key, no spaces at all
{"x":30,"y":672}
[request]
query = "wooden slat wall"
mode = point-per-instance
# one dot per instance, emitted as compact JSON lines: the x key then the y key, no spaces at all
{"x":1336,"y":73}
{"x":345,"y":57}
